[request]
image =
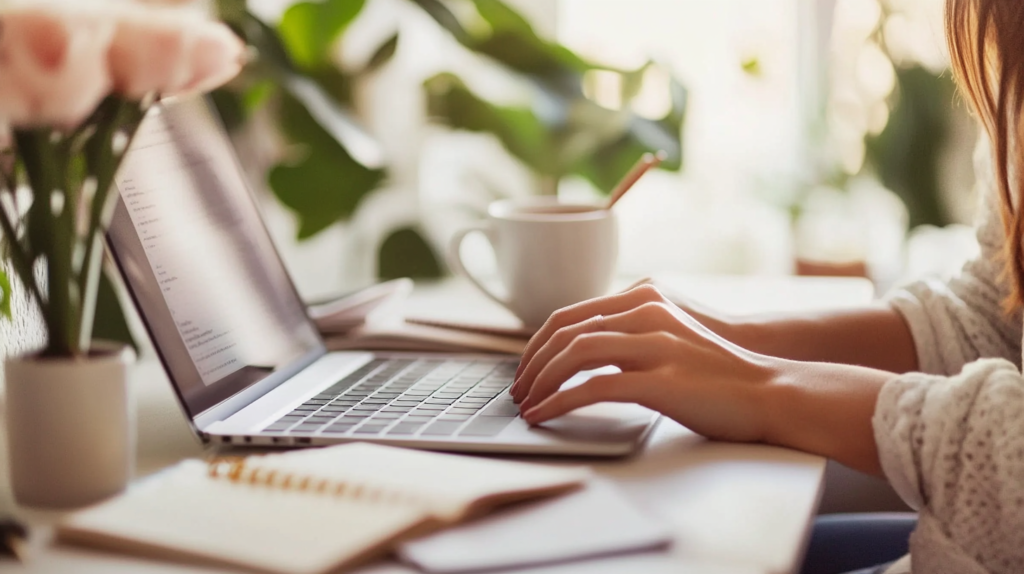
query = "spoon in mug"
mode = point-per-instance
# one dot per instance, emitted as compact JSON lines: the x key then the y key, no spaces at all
{"x":646,"y":162}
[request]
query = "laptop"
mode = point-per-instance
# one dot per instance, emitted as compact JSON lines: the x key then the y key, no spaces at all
{"x":246,"y":362}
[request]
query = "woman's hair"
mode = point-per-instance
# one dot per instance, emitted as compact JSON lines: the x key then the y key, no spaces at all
{"x":986,"y":46}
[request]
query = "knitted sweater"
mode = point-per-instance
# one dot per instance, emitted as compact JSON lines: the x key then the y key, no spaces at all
{"x":951,"y":437}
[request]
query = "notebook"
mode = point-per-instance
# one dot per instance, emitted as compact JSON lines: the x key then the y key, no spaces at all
{"x":306,"y":511}
{"x":597,"y":520}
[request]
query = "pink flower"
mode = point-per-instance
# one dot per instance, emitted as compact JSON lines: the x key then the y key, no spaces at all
{"x":171,"y":51}
{"x":58,"y":60}
{"x":53,"y":69}
{"x":217,"y":56}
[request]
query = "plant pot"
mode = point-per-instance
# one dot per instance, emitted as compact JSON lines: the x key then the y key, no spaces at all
{"x":70,"y":427}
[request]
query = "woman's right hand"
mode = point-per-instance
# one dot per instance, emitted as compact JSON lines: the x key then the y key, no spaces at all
{"x":669,"y":362}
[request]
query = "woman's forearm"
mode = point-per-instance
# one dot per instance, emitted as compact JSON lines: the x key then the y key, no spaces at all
{"x":875,"y":337}
{"x":824,"y":409}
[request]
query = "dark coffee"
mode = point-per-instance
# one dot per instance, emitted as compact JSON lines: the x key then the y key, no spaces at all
{"x":557,"y":209}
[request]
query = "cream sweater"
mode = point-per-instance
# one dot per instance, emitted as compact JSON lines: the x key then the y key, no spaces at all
{"x":951,"y":438}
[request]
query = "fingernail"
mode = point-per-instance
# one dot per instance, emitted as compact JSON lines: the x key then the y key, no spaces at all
{"x":531,"y":415}
{"x":518,"y":390}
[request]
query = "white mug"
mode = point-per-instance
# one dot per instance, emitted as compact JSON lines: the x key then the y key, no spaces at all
{"x":550,"y":254}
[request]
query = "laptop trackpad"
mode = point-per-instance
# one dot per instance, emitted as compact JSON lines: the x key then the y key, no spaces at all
{"x":601,"y":422}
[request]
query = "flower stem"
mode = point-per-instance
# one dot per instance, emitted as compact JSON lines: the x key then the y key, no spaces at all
{"x":103,"y":162}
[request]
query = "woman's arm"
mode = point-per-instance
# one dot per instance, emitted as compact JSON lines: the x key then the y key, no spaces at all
{"x":672,"y":363}
{"x":877,"y":337}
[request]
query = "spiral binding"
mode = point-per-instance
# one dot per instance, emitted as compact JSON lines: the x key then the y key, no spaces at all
{"x":235,"y":470}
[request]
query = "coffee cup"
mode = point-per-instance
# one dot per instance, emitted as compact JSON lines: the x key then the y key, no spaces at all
{"x":550,"y":254}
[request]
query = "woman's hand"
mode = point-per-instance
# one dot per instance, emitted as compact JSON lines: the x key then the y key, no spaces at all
{"x":669,"y":362}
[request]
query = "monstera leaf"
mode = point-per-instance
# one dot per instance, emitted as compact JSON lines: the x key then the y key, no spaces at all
{"x":506,"y":37}
{"x":309,"y":29}
{"x":562,"y":132}
{"x":584,"y":138}
{"x":324,"y":184}
{"x":333,"y":162}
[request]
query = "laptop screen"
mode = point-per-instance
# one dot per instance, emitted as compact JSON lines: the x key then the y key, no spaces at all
{"x":206,"y":278}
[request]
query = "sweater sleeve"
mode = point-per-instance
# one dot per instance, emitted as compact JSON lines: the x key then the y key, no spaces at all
{"x":953,"y":448}
{"x":956,"y":322}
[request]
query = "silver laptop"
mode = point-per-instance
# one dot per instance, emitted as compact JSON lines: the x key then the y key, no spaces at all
{"x":246,"y":362}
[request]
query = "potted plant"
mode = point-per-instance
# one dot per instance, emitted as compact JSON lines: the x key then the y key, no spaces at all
{"x":75,"y":82}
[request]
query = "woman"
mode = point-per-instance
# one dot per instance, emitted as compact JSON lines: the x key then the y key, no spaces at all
{"x":925,"y":388}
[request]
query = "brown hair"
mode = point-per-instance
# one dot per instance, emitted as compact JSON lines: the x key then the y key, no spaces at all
{"x":986,"y":46}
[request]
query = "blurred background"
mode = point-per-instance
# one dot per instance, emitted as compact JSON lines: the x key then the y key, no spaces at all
{"x":804,"y":136}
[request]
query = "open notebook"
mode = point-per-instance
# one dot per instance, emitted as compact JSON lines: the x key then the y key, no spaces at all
{"x":306,"y":511}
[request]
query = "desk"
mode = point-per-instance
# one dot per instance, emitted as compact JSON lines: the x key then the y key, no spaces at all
{"x":734,"y":509}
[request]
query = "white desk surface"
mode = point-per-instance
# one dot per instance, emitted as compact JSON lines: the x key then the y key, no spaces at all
{"x":735,"y":509}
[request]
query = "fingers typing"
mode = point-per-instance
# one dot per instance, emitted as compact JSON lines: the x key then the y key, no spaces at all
{"x":619,"y":387}
{"x":648,"y":317}
{"x":610,"y":305}
{"x":629,"y":352}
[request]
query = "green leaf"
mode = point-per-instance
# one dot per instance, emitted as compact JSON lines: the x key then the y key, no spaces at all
{"x":405,"y":253}
{"x":501,"y":17}
{"x":110,"y":323}
{"x":752,"y":67}
{"x":5,"y":294}
{"x":230,"y":108}
{"x":522,"y":133}
{"x":42,"y":170}
{"x":334,"y":83}
{"x":382,"y":55}
{"x":514,"y":42}
{"x":272,"y":59}
{"x":563,"y":132}
{"x":324,"y":184}
{"x":308,"y":29}
{"x":50,"y":235}
{"x":599,"y":144}
{"x":441,"y":14}
{"x":257,"y":95}
{"x":908,"y":153}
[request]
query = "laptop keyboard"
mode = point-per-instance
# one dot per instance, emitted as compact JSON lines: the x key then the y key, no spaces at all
{"x":402,"y":398}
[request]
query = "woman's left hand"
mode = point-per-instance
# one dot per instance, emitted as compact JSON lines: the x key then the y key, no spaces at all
{"x":669,"y":362}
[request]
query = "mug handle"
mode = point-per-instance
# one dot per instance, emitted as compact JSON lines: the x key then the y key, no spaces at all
{"x":455,"y":261}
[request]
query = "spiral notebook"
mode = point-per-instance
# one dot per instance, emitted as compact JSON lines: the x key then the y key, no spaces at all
{"x":307,"y":511}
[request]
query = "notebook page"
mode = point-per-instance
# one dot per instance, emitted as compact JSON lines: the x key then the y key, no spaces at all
{"x":262,"y":528}
{"x":594,"y":521}
{"x":452,"y":484}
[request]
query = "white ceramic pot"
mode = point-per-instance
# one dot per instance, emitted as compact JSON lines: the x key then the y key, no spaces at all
{"x":70,"y":427}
